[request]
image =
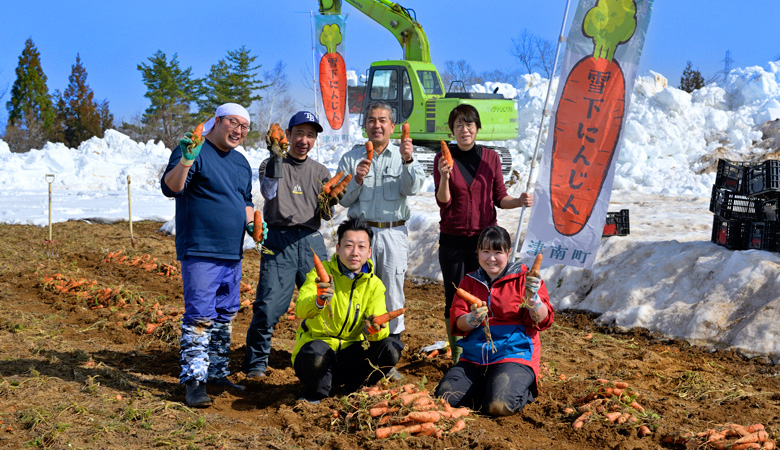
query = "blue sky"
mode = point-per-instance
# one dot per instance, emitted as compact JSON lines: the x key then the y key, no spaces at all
{"x":112,"y":38}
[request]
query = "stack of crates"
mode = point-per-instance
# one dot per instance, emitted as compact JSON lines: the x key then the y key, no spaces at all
{"x":616,"y":224}
{"x":745,"y":200}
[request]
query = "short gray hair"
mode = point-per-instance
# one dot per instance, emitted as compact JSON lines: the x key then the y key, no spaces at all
{"x":380,"y":105}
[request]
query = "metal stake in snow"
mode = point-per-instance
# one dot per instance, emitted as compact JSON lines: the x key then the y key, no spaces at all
{"x":49,"y":246}
{"x":545,"y":112}
{"x":130,"y":212}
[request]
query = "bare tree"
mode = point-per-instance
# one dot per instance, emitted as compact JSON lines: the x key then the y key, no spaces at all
{"x":545,"y":56}
{"x":499,"y":76}
{"x":524,"y":50}
{"x":460,"y":71}
{"x":277,"y":104}
{"x":534,"y":53}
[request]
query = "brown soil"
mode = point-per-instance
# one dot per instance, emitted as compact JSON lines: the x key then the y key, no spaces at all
{"x":76,"y":377}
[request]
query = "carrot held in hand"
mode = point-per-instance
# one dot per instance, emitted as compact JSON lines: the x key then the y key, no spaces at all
{"x":341,"y":186}
{"x":388,"y":316}
{"x":257,"y":231}
{"x":322,"y":274}
{"x":327,"y":187}
{"x":446,"y":155}
{"x":532,"y":285}
{"x":369,"y":151}
{"x":404,"y":131}
{"x":469,"y":297}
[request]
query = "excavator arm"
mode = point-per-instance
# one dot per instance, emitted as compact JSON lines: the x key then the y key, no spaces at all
{"x":395,"y":18}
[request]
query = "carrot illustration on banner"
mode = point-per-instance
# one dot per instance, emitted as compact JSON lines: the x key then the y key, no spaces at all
{"x":589,"y":117}
{"x":333,"y":77}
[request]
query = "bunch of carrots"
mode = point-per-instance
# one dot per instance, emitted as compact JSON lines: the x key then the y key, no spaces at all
{"x":81,"y":289}
{"x":730,"y":436}
{"x":337,"y":184}
{"x":613,"y":402}
{"x":145,"y":262}
{"x":406,"y":410}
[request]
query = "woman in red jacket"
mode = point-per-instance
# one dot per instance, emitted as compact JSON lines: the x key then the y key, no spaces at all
{"x":467,"y":194}
{"x":497,"y":375}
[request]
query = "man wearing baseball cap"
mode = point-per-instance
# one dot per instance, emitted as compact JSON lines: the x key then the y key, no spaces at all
{"x":212,"y":185}
{"x":291,"y":186}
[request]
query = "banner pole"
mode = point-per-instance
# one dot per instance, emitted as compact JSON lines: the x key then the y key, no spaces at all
{"x":545,"y":112}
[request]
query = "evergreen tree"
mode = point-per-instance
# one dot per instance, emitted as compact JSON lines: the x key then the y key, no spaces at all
{"x":77,"y":111}
{"x":691,"y":79}
{"x":30,"y":107}
{"x":235,"y":80}
{"x":170,"y":91}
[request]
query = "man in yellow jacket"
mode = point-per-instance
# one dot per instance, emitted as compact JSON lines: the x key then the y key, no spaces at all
{"x":338,"y":318}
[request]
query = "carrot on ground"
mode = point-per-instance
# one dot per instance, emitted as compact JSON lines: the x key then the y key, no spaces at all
{"x":425,"y":416}
{"x":328,"y":186}
{"x":459,"y":425}
{"x":644,"y":430}
{"x":386,"y":432}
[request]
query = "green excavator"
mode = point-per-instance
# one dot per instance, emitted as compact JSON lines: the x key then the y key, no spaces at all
{"x":413,"y":87}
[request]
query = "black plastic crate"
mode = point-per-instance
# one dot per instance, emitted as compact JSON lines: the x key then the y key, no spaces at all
{"x":769,"y":207}
{"x":731,"y":234}
{"x":731,"y":175}
{"x":764,"y":177}
{"x":730,"y":205}
{"x":616,"y":224}
{"x":763,"y":236}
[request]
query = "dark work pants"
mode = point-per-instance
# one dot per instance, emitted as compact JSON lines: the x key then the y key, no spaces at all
{"x":320,"y":368}
{"x":496,"y":389}
{"x":457,"y":257}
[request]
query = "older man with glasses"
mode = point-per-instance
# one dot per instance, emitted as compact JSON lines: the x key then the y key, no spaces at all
{"x":212,"y":185}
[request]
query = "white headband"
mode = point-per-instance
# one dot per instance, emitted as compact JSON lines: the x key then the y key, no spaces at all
{"x":228,"y":109}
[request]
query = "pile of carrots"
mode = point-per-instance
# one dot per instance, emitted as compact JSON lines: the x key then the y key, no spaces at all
{"x":145,"y":262}
{"x":407,"y":410}
{"x":81,"y":289}
{"x":613,"y":402}
{"x":337,"y":184}
{"x":729,"y":436}
{"x":146,"y":320}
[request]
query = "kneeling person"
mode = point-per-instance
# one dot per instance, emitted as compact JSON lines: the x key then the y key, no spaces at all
{"x":328,"y":344}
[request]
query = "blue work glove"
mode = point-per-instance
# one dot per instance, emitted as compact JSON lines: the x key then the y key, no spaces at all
{"x":250,"y":228}
{"x":190,"y":148}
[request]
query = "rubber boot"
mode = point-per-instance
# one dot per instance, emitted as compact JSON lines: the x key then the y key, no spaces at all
{"x":196,"y":394}
{"x":456,"y":350}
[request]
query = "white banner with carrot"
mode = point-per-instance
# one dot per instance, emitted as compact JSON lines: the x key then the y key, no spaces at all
{"x":331,"y":78}
{"x":572,"y":192}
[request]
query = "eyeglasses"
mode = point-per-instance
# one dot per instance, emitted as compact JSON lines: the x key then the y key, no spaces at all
{"x":233,"y":124}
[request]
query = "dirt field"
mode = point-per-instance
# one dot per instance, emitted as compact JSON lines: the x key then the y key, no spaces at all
{"x":78,"y":371}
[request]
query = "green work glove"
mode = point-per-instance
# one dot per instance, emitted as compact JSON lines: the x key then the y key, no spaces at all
{"x":190,"y":148}
{"x":250,"y":228}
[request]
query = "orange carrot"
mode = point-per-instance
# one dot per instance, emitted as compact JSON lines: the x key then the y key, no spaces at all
{"x":326,"y":188}
{"x":621,"y":384}
{"x":388,"y":316}
{"x":405,"y":131}
{"x":341,"y":186}
{"x":386,"y":432}
{"x":257,"y":232}
{"x":150,"y":328}
{"x":446,"y":155}
{"x":470,"y":298}
{"x":459,"y":425}
{"x":644,"y":431}
{"x":613,"y":416}
{"x":322,"y":274}
{"x":378,"y":411}
{"x":433,"y":354}
{"x":425,"y":416}
{"x":369,"y":151}
{"x":581,"y":420}
{"x":758,"y":436}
